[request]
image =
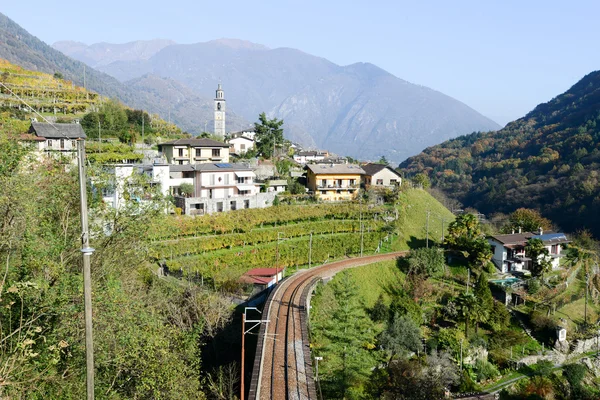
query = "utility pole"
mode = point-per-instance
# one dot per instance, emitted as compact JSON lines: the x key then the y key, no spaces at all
{"x":256,"y":322}
{"x":427,"y":228}
{"x":310,"y":251}
{"x":461,"y":359}
{"x":468,"y":279}
{"x":142,"y":129}
{"x":242,"y":371}
{"x":86,"y":251}
{"x":443,"y":221}
{"x":362,"y":228}
{"x":317,"y":359}
{"x":587,"y":278}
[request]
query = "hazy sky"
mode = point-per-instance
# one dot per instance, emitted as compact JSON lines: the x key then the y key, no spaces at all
{"x":501,"y":57}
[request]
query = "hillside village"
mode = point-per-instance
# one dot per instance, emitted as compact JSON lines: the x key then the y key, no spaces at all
{"x":241,"y":264}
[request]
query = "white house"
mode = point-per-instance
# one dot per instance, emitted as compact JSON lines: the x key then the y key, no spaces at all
{"x":303,"y":157}
{"x":56,"y":139}
{"x":509,"y":250}
{"x":194,"y":151}
{"x":380,"y":175}
{"x":241,"y":144}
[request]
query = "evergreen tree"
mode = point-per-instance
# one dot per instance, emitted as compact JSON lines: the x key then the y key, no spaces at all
{"x":540,"y":258}
{"x":348,"y":330}
{"x":269,"y":135}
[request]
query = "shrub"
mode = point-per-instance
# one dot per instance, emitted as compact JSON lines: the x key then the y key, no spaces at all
{"x":485,"y":370}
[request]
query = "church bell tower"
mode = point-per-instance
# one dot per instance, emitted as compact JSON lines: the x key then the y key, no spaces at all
{"x":220,"y":112}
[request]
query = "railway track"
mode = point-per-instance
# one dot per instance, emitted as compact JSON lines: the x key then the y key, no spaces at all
{"x":283,"y":364}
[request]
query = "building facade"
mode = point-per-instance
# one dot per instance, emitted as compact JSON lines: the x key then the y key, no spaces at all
{"x":194,"y":151}
{"x":509,"y":250}
{"x":219,"y":111}
{"x":334,"y":182}
{"x":380,"y":175}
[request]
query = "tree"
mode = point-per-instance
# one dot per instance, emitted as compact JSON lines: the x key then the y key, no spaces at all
{"x":466,"y":236}
{"x":401,"y":337}
{"x":347,"y":331}
{"x":540,"y":257}
{"x":380,"y":311}
{"x":295,"y":187}
{"x":383,"y":161}
{"x":269,"y":135}
{"x":422,"y":180}
{"x":527,"y":220}
{"x":466,"y":304}
{"x":424,"y":262}
{"x":186,"y":189}
{"x":58,"y":75}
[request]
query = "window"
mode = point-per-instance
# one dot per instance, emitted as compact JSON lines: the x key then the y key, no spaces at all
{"x":244,"y":193}
{"x":180,"y":152}
{"x":74,"y":144}
{"x":393,"y":182}
{"x":212,"y":179}
{"x":232,"y":205}
{"x":62,"y":143}
{"x":379,"y":181}
{"x":198,"y":152}
{"x":227,"y":179}
{"x":246,"y":203}
{"x":323,"y":182}
{"x":241,"y":179}
{"x":220,"y":206}
{"x":352,"y":182}
{"x":243,"y":146}
{"x":554,"y":249}
{"x":323,"y":192}
{"x":339,"y":183}
{"x":49,"y":143}
{"x":216,"y":152}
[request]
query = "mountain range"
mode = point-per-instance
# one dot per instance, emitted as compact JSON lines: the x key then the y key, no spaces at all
{"x":358,"y":110}
{"x":548,"y":160}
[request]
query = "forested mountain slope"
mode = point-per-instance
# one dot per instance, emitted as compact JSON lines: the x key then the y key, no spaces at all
{"x":548,"y":160}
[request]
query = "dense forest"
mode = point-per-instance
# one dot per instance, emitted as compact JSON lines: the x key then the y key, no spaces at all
{"x":547,"y":160}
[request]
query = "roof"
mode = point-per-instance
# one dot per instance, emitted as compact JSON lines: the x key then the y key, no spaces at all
{"x":278,"y":182}
{"x":57,"y":131}
{"x":373,"y":168}
{"x":552,"y":238}
{"x":31,"y":138}
{"x":335,"y":169}
{"x":240,"y":137}
{"x":257,"y":280}
{"x":522,"y":238}
{"x":195,"y":142}
{"x":208,"y":167}
{"x":263,"y":272}
{"x":512,"y":239}
{"x":313,"y":153}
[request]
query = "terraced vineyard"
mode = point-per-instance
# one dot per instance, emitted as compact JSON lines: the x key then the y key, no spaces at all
{"x":222,"y":247}
{"x":44,"y":92}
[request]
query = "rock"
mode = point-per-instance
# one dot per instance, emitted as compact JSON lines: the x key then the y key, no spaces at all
{"x":561,"y":346}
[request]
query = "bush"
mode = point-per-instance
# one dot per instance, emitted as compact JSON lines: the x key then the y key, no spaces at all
{"x":485,"y":370}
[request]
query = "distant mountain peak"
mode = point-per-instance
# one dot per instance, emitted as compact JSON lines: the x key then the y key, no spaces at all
{"x":238,"y":44}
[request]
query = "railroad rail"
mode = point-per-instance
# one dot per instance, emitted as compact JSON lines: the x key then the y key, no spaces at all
{"x":283,"y":364}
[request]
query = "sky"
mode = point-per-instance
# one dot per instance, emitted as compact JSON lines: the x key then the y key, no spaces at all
{"x":500,"y":57}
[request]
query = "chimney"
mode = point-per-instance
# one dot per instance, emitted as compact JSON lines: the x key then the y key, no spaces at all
{"x":541,"y":231}
{"x":513,"y":232}
{"x":519,"y":229}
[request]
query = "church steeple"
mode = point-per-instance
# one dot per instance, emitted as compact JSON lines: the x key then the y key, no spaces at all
{"x":219,"y":112}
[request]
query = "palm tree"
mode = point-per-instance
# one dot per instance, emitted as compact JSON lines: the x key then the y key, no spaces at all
{"x":466,"y":304}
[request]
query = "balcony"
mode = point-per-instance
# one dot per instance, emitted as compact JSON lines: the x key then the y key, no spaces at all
{"x":338,"y":187}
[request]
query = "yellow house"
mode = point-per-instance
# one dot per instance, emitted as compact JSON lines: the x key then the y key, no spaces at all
{"x":334,"y":182}
{"x":195,"y":151}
